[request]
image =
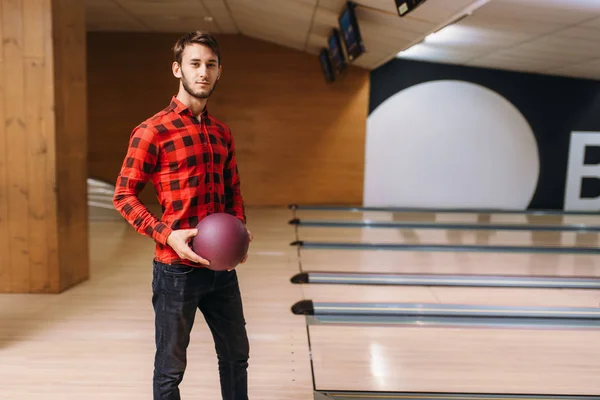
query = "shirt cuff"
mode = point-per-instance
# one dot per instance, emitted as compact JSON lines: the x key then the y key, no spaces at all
{"x":161,"y":233}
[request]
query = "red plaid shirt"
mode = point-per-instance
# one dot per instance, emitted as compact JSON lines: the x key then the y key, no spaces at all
{"x":191,"y":163}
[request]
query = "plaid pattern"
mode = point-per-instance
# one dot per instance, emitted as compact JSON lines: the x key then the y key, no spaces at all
{"x":191,"y":163}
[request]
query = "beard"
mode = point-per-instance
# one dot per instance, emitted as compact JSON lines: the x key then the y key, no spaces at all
{"x":199,"y":94}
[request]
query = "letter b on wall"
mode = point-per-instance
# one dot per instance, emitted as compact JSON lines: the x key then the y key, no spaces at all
{"x":582,"y":191}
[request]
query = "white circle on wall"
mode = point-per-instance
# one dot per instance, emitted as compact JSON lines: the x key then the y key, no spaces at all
{"x":449,"y":144}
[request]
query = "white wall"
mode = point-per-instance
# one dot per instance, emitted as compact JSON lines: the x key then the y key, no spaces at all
{"x":449,"y":144}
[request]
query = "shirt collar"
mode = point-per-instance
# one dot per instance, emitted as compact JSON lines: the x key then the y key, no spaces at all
{"x":180,"y":108}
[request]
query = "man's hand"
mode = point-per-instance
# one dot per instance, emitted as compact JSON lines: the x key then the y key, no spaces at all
{"x":178,"y":240}
{"x":246,"y":256}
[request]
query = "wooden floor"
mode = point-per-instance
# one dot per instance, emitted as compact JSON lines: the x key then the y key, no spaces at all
{"x":456,"y":359}
{"x":454,"y":237}
{"x":532,"y":219}
{"x":96,"y":341}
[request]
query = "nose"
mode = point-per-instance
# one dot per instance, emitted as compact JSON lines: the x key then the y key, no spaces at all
{"x":202,"y":70}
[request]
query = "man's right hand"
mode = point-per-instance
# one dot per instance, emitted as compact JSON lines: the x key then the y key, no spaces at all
{"x":178,"y":240}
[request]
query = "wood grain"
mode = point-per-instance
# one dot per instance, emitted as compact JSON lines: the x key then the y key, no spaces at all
{"x":482,"y":360}
{"x":43,"y":146}
{"x":297,"y":138}
{"x":17,"y":144}
{"x":71,"y":139}
{"x":106,"y":325}
{"x":49,"y":127}
{"x":450,"y":262}
{"x":449,"y":237}
{"x":101,"y":332}
{"x":5,"y":270}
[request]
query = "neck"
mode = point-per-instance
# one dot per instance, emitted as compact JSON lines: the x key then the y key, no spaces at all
{"x":195,"y":104}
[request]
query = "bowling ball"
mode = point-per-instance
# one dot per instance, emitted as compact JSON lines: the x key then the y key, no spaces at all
{"x":222,"y":239}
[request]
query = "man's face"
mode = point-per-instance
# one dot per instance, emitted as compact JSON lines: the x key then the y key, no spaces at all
{"x":199,"y":70}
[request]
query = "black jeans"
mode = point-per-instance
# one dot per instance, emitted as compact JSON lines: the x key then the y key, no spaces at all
{"x":178,"y":290}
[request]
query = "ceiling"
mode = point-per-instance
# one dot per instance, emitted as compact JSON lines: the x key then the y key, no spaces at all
{"x":560,"y":37}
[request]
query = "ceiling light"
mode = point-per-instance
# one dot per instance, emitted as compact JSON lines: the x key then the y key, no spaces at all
{"x":416,"y":52}
{"x":452,"y":34}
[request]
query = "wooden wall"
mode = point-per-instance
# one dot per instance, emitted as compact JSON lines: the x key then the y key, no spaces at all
{"x":43,"y":157}
{"x":297,"y":138}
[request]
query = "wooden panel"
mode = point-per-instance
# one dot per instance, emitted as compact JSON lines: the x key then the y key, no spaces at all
{"x":71,"y":140}
{"x":16,"y":142}
{"x":298,"y":139}
{"x":5,"y":279}
{"x":32,"y":31}
{"x":36,"y":148}
{"x":39,"y":214}
{"x":50,"y":183}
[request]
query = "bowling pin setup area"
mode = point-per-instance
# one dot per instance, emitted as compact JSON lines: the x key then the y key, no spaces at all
{"x":448,"y":304}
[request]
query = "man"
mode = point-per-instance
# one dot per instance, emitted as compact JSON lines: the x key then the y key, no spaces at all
{"x":189,"y":157}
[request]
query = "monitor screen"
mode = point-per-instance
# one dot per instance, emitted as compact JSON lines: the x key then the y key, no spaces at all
{"x":338,"y":59}
{"x":351,"y":32}
{"x":326,"y":66}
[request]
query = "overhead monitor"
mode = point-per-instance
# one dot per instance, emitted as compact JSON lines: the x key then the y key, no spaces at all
{"x":405,"y":7}
{"x":336,"y":52}
{"x":326,"y":65}
{"x":350,"y":31}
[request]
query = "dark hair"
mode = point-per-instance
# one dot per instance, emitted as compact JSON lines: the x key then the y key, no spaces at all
{"x":199,"y":37}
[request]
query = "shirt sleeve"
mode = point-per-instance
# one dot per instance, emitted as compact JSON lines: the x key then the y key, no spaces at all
{"x":234,"y":203}
{"x":139,"y":162}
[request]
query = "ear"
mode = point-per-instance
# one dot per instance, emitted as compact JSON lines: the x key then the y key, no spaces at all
{"x":176,"y":69}
{"x":220,"y":70}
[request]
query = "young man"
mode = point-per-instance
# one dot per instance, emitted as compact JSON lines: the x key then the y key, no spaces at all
{"x":189,"y":157}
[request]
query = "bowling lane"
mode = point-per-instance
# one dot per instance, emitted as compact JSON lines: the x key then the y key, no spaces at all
{"x":448,"y":237}
{"x":450,"y":262}
{"x":424,"y":217}
{"x":456,"y":359}
{"x":505,"y":297}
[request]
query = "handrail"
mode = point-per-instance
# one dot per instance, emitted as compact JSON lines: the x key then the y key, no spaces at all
{"x":445,"y":314}
{"x":458,"y":280}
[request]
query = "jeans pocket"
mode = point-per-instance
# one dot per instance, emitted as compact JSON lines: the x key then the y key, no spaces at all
{"x":177,"y":270}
